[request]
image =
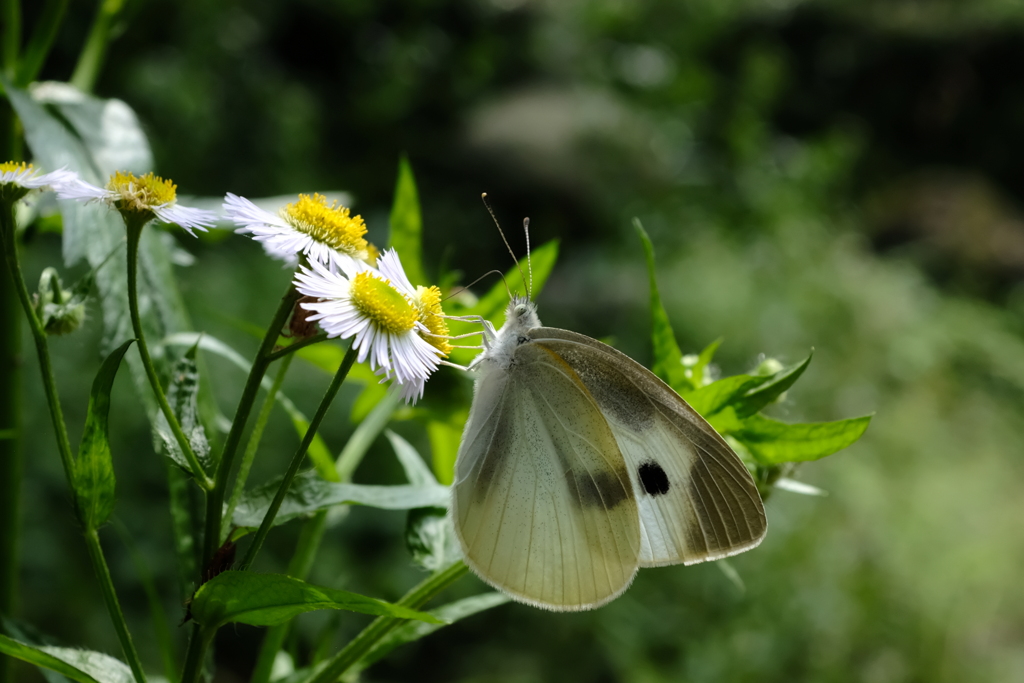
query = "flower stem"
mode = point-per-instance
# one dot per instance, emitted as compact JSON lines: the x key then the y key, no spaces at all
{"x":92,"y":541}
{"x":300,"y":454}
{"x":95,"y":49}
{"x":7,"y":228}
{"x":201,"y":637}
{"x":134,"y":234}
{"x":39,"y":44}
{"x":292,"y":348}
{"x":197,"y":646}
{"x":313,"y":530}
{"x":215,"y":498}
{"x":11,"y":452}
{"x":254,"y":442}
{"x":382,"y":626}
{"x":10,"y":19}
{"x":299,"y":566}
{"x":63,"y":444}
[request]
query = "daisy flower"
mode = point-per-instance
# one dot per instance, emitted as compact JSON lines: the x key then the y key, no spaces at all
{"x":17,"y":179}
{"x":324,"y":232}
{"x":426,"y":300}
{"x":432,"y":325}
{"x":375,"y":309}
{"x":141,"y":198}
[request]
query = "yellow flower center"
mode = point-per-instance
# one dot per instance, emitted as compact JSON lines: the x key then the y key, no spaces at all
{"x":328,"y":224}
{"x":15,"y":166}
{"x":428,"y":305}
{"x":384,"y":305}
{"x":141,"y":193}
{"x":12,"y":191}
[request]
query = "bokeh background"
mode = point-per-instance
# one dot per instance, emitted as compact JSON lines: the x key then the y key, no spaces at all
{"x":842,"y":175}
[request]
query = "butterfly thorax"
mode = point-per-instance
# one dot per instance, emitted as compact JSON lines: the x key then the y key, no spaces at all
{"x":520,"y":318}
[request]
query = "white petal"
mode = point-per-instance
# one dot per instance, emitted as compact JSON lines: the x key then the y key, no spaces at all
{"x":77,"y":188}
{"x":251,"y":217}
{"x":33,"y":180}
{"x":186,"y":217}
{"x":391,"y":267}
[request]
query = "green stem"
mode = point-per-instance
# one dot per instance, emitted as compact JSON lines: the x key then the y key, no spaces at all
{"x":201,"y":638}
{"x":292,"y":348}
{"x":164,"y":640}
{"x":301,"y":563}
{"x":309,"y":540}
{"x":41,"y":41}
{"x":91,"y":59}
{"x":10,"y":18}
{"x":382,"y":626}
{"x":254,"y":443}
{"x":63,"y":444}
{"x":134,"y":227}
{"x":215,"y":498}
{"x":197,"y":646}
{"x":11,"y":452}
{"x":99,"y":564}
{"x":7,"y":227}
{"x":300,"y":454}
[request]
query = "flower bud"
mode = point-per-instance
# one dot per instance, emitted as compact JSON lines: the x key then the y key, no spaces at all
{"x":60,"y":310}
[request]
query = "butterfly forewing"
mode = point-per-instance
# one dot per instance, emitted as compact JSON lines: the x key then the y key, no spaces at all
{"x":543,"y":501}
{"x":696,"y":499}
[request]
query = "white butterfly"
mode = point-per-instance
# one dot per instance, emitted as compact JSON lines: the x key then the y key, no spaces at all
{"x":578,"y":466}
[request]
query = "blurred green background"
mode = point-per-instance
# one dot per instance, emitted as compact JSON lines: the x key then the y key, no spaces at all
{"x":839,"y":175}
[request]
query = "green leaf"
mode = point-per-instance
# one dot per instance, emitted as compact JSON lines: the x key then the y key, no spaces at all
{"x":757,"y":397}
{"x":796,"y":486}
{"x":414,"y":630}
{"x":181,"y":394}
{"x":445,"y":437}
{"x":407,"y":224}
{"x":772,"y":442}
{"x":269,"y":599}
{"x":430,"y":538}
{"x":416,"y":469}
{"x":698,"y":370}
{"x":309,"y":493}
{"x":712,"y":398}
{"x":668,"y":359}
{"x":84,"y":666}
{"x":730,"y":573}
{"x":94,"y":467}
{"x":372,"y":394}
{"x":746,"y":394}
{"x":318,"y":450}
{"x":183,"y":527}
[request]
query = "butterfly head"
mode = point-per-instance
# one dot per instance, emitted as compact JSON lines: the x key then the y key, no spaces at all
{"x":521,"y":315}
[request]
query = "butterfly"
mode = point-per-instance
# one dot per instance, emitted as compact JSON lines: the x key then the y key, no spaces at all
{"x":578,"y":466}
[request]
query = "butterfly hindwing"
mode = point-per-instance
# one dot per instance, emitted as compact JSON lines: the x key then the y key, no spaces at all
{"x":543,"y":502}
{"x":696,"y":499}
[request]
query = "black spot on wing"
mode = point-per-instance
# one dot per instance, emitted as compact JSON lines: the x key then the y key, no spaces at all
{"x":600,"y":489}
{"x":653,"y":478}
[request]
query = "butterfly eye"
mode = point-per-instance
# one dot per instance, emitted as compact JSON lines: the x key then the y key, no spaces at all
{"x":520,"y":309}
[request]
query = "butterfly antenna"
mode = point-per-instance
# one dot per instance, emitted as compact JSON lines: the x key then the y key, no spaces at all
{"x":501,"y":232}
{"x":529,"y":260}
{"x":487,"y":274}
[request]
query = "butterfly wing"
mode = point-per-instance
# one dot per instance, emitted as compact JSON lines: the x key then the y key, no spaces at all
{"x":696,"y":499}
{"x":542,"y":502}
